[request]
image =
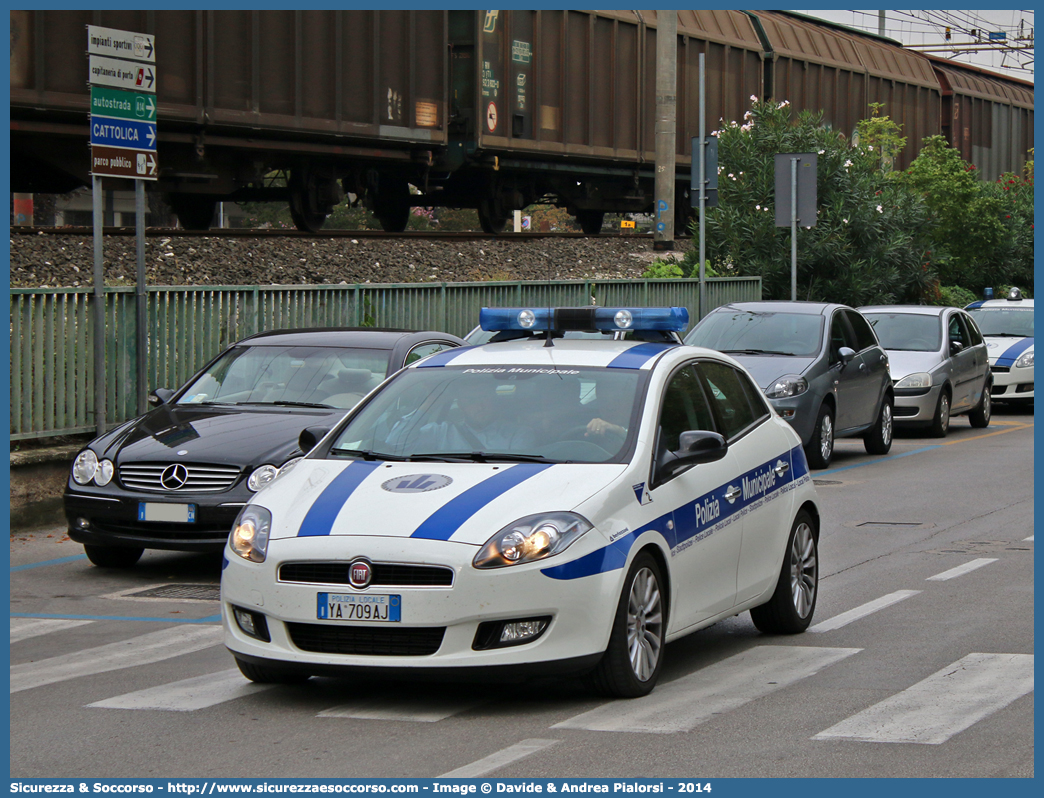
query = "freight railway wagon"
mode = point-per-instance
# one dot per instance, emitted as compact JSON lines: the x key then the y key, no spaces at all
{"x":492,"y":110}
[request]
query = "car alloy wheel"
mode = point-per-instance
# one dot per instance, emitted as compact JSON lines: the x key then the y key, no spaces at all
{"x":644,"y":624}
{"x":804,"y":569}
{"x":793,"y":602}
{"x":826,"y":438}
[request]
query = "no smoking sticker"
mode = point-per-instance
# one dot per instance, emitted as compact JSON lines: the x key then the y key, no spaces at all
{"x":491,"y":117}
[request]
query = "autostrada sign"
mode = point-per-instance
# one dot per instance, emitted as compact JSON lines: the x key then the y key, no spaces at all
{"x":122,"y":75}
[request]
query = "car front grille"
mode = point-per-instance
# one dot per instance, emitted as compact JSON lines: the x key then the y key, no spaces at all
{"x":189,"y":478}
{"x":1000,"y":369}
{"x":899,"y":412}
{"x":377,"y":641}
{"x":384,"y":574}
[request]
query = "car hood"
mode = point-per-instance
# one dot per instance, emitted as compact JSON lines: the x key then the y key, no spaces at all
{"x":232,"y":436}
{"x":461,"y":502}
{"x":1005,"y":351}
{"x":901,"y":363}
{"x":767,"y":369}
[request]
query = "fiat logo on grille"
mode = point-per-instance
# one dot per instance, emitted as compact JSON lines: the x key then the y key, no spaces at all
{"x":360,"y":573}
{"x":174,"y":476}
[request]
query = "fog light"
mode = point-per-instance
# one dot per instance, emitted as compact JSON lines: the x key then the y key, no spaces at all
{"x":787,"y":412}
{"x":83,"y":523}
{"x":252,"y":624}
{"x":501,"y":634}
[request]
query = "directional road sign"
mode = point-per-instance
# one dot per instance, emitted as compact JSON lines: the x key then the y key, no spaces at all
{"x":123,"y":133}
{"x":113,"y":162}
{"x":119,"y":74}
{"x":120,"y":44}
{"x":123,"y":104}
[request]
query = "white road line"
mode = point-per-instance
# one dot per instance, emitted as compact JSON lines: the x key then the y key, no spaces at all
{"x":188,"y":695}
{"x":24,"y":628}
{"x":683,"y":704}
{"x":947,"y":702}
{"x":862,"y":611}
{"x":412,"y":708}
{"x":498,"y":760}
{"x":960,"y":570}
{"x":1030,"y":538}
{"x":143,"y":650}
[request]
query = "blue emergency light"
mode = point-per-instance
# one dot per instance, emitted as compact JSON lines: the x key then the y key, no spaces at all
{"x":587,"y":319}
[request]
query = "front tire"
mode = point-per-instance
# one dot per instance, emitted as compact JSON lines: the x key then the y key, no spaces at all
{"x":821,"y":448}
{"x":113,"y":556}
{"x":632,"y":661}
{"x":980,"y":416}
{"x":790,"y":609}
{"x":941,"y":421}
{"x":269,"y":674}
{"x":879,"y":439}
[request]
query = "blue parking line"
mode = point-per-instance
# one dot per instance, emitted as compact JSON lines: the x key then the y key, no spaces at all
{"x":167,"y":619}
{"x":875,"y":461}
{"x":59,"y":561}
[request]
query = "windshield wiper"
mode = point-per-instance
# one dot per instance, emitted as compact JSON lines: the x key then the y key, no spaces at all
{"x":479,"y":457}
{"x":284,"y":403}
{"x":754,"y":352}
{"x":365,"y":454}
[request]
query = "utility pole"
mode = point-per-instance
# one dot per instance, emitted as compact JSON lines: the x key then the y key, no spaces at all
{"x":666,"y":113}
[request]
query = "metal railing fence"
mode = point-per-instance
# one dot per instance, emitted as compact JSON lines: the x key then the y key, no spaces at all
{"x":52,"y":330}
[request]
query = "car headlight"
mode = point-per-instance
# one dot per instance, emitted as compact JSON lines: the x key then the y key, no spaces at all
{"x":790,"y":385}
{"x":531,"y":538}
{"x":249,"y":538}
{"x":261,"y":476}
{"x":1025,"y":360}
{"x":84,"y":467}
{"x":289,"y":464}
{"x":919,"y":379}
{"x":103,"y":476}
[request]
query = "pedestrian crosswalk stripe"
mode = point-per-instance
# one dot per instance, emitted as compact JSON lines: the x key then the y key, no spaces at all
{"x":143,"y":650}
{"x":1030,"y":538}
{"x":188,"y":695}
{"x":961,"y":570}
{"x":494,"y":762}
{"x":862,"y":611}
{"x":685,"y":703}
{"x":947,"y":702}
{"x":414,"y":708}
{"x":24,"y":628}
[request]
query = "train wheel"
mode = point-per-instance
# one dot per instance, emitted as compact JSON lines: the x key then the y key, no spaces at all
{"x":391,"y":205}
{"x":590,"y":221}
{"x":194,"y":211}
{"x":491,"y":221}
{"x":311,"y":199}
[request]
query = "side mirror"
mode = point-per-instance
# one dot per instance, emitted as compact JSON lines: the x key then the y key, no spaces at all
{"x":694,"y":447}
{"x":160,"y":396}
{"x":846,"y":354}
{"x":956,"y":347}
{"x":309,"y":437}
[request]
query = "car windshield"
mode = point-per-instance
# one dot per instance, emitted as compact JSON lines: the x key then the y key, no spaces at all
{"x":907,"y":332}
{"x":301,"y":376}
{"x":1008,"y":322}
{"x":497,"y":413}
{"x":747,"y":332}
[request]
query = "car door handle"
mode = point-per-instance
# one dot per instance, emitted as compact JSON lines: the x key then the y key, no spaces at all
{"x":782,"y":468}
{"x":862,"y":367}
{"x":732,"y":493}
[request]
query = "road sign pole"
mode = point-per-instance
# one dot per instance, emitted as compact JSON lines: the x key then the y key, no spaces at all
{"x":793,"y":228}
{"x":99,"y":310}
{"x":703,"y":192}
{"x":141,"y":297}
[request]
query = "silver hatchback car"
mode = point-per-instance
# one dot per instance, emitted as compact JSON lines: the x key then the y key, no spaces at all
{"x":939,"y":364}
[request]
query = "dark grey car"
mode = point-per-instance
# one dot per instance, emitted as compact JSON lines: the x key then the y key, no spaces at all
{"x":820,"y":365}
{"x":939,"y":364}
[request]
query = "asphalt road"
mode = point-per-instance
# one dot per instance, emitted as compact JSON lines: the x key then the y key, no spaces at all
{"x":919,"y":662}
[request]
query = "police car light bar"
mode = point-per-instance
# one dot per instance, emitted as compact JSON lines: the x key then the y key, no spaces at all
{"x":588,"y":319}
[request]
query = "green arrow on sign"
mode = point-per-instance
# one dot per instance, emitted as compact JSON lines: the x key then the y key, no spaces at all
{"x":123,"y":104}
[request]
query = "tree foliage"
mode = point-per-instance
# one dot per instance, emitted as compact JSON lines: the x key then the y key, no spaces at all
{"x":869,"y":244}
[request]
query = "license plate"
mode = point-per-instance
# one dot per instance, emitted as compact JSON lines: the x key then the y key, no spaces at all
{"x":358,"y":607}
{"x":158,"y":511}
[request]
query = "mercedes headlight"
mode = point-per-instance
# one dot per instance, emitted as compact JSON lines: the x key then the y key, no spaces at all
{"x":1025,"y":360}
{"x":84,"y":467}
{"x":790,"y":385}
{"x":249,"y":538}
{"x":103,"y":476}
{"x":919,"y":379}
{"x":531,"y":538}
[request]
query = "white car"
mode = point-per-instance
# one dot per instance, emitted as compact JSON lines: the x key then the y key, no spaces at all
{"x":1007,"y":326}
{"x":536,"y":505}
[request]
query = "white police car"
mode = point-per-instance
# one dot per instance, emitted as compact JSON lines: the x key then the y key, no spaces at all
{"x":1007,"y":326}
{"x":530,"y":505}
